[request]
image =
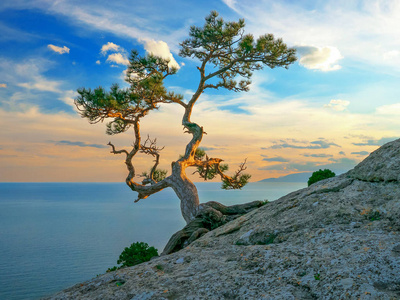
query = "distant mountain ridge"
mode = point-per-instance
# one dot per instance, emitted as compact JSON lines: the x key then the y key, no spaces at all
{"x":298,"y":177}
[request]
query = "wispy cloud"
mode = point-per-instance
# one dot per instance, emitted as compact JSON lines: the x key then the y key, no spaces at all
{"x":292,"y":167}
{"x":42,"y":84}
{"x":379,"y":142}
{"x":209,"y":148}
{"x":14,"y":34}
{"x":390,"y":109}
{"x":360,"y":153}
{"x":79,"y":144}
{"x":314,"y":145}
{"x":29,"y":74}
{"x":68,"y":97}
{"x":321,"y":155}
{"x":3,"y":85}
{"x":32,"y":86}
{"x":59,"y":50}
{"x":275,"y":159}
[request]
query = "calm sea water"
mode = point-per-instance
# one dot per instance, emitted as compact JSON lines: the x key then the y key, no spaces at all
{"x":54,"y":235}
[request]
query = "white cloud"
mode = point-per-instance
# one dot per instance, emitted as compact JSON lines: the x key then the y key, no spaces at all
{"x":160,"y":48}
{"x":319,"y":58}
{"x":98,"y":62}
{"x":391,"y":55}
{"x":111,"y":47}
{"x":3,"y":85}
{"x":391,"y":109}
{"x":338,"y":105}
{"x":118,"y":58}
{"x":60,"y":50}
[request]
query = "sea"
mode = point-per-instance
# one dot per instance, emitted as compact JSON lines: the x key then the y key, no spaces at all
{"x":55,"y":235}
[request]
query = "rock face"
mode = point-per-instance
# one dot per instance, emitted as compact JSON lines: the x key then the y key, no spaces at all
{"x":337,"y":239}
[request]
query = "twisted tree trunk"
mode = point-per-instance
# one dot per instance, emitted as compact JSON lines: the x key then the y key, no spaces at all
{"x":185,"y":190}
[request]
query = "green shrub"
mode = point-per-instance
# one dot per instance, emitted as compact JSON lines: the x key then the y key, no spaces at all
{"x":320,"y":175}
{"x":112,"y":269}
{"x":135,"y":254}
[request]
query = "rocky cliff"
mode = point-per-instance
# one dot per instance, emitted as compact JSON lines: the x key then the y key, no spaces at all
{"x":337,"y":239}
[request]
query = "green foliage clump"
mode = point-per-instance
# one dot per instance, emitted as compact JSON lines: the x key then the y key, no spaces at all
{"x":135,"y":254}
{"x":158,"y":175}
{"x":320,"y":175}
{"x":211,"y":171}
{"x":200,"y":154}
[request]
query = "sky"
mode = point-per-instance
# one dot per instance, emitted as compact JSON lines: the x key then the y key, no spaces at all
{"x":330,"y":109}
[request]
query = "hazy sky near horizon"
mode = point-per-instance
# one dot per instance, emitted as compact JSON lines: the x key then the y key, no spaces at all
{"x":330,"y":109}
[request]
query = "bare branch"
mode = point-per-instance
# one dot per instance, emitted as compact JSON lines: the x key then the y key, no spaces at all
{"x":150,"y":148}
{"x":117,"y":151}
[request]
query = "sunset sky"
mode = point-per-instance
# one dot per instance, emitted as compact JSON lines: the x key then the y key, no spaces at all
{"x":336,"y":104}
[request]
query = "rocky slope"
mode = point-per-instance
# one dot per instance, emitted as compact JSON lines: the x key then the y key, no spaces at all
{"x":337,"y":239}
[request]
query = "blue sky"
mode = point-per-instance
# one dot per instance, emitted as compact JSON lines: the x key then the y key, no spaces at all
{"x":334,"y":106}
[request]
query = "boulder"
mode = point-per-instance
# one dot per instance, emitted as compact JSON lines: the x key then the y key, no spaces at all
{"x":337,"y":239}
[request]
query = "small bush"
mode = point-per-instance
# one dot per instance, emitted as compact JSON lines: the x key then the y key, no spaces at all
{"x":135,"y":254}
{"x":320,"y":175}
{"x":112,"y":269}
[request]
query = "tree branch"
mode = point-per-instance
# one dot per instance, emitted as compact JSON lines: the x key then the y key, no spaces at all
{"x":144,"y":191}
{"x":237,"y":181}
{"x":117,"y":151}
{"x":150,"y":148}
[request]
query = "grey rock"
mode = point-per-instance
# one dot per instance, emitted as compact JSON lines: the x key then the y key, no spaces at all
{"x":337,"y":239}
{"x":180,"y":260}
{"x":381,"y":165}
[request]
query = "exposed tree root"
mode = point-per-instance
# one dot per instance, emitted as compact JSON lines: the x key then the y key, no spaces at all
{"x":211,"y":215}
